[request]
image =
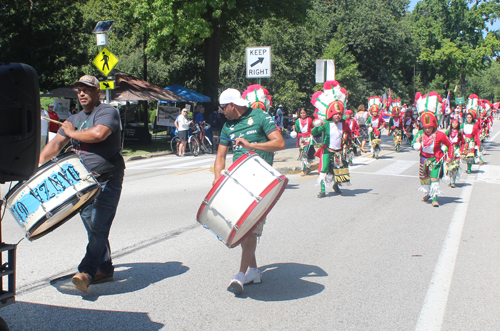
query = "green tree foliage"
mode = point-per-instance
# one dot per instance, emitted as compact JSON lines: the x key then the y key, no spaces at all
{"x":450,"y":40}
{"x":378,"y":36}
{"x":207,"y":23}
{"x":486,"y":83}
{"x":48,"y":35}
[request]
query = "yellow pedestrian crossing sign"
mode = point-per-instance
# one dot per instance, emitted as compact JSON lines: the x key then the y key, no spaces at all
{"x":107,"y":85}
{"x":105,"y":61}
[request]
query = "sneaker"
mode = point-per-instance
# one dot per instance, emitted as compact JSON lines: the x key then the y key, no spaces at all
{"x":426,"y":197}
{"x":252,"y":276}
{"x":101,"y":277}
{"x":435,"y":203}
{"x":236,"y":285}
{"x":82,"y":281}
{"x":468,"y":171}
{"x":321,"y":195}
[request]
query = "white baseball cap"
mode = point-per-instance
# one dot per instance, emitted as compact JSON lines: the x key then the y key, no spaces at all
{"x":232,"y":95}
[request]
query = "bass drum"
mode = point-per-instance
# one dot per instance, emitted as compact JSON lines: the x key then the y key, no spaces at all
{"x":61,"y":188}
{"x":241,"y":199}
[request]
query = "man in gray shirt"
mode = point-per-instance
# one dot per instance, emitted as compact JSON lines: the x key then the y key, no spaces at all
{"x":95,"y":137}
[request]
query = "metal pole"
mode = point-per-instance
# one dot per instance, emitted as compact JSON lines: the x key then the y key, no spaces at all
{"x":108,"y":96}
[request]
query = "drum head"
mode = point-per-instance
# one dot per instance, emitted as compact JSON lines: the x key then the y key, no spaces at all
{"x":257,"y":212}
{"x":63,"y":213}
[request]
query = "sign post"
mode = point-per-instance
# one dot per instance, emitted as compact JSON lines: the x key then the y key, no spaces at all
{"x":325,"y":70}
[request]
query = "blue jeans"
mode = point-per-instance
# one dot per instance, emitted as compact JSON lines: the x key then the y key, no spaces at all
{"x":97,"y":218}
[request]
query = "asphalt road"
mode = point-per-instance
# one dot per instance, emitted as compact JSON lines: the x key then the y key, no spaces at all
{"x":374,"y":258}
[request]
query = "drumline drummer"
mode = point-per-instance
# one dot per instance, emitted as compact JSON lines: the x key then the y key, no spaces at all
{"x":95,"y":137}
{"x":251,"y":129}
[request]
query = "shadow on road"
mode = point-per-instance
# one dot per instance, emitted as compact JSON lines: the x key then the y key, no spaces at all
{"x":33,"y":316}
{"x":346,"y":192}
{"x":128,"y":277}
{"x":284,"y":281}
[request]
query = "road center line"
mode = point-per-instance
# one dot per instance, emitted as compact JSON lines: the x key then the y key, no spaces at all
{"x":432,"y":313}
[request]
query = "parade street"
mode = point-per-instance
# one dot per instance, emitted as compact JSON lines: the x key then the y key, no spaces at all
{"x":374,"y":258}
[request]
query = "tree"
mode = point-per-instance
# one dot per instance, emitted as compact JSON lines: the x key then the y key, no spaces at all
{"x":30,"y":32}
{"x":208,"y":23}
{"x":449,"y":35}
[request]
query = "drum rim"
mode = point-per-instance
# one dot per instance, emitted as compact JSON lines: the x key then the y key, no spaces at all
{"x":16,"y":187}
{"x":42,"y":220}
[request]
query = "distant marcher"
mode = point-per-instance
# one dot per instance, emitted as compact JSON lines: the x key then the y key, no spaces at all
{"x":182,"y":125}
{"x":279,"y":117}
{"x":361,"y":118}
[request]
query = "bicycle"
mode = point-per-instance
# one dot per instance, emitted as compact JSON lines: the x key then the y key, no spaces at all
{"x":195,"y":142}
{"x":198,"y":141}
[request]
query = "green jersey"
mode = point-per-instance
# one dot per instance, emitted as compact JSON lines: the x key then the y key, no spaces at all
{"x":254,"y":125}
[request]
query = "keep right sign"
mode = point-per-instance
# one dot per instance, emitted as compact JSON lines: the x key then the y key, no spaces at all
{"x":258,"y":62}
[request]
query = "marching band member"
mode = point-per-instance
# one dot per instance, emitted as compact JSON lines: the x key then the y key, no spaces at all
{"x":375,"y":125}
{"x":252,"y":129}
{"x":471,"y":129}
{"x":409,"y":123}
{"x":456,"y":139}
{"x":335,"y":131}
{"x":354,"y":127}
{"x":303,"y":126}
{"x":429,"y":142}
{"x":396,"y":124}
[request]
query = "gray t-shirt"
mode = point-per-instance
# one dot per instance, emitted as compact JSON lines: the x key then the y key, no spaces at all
{"x":94,"y":155}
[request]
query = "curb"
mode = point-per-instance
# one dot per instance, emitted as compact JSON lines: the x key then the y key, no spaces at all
{"x":146,"y":156}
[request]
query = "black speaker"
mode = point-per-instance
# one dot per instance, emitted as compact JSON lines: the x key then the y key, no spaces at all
{"x":20,"y":122}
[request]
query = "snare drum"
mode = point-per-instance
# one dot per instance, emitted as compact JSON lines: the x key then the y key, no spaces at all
{"x":241,"y":198}
{"x":61,"y":188}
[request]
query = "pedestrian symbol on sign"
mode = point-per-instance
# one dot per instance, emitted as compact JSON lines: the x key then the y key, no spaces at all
{"x":105,"y":61}
{"x":105,"y":58}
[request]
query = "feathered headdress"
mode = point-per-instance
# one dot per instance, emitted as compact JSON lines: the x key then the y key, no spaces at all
{"x":473,"y":103}
{"x":395,"y":106}
{"x":429,"y":102}
{"x":487,"y":106}
{"x":258,"y":97}
{"x":374,"y":104}
{"x":331,"y":101}
{"x":428,"y":106}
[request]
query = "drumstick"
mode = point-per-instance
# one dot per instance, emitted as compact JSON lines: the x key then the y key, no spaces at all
{"x":226,"y":139}
{"x":51,"y":120}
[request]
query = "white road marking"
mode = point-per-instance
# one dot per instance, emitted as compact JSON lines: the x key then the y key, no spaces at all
{"x":434,"y":307}
{"x":489,"y":174}
{"x":187,"y":164}
{"x":170,"y":163}
{"x":395,"y":168}
{"x":360,"y":162}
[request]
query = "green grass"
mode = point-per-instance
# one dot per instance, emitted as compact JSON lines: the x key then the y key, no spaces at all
{"x":131,"y":148}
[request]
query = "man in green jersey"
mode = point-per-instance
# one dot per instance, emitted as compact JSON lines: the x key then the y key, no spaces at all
{"x":251,"y":129}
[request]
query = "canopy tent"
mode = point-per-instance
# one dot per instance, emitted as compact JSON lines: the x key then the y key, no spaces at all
{"x":127,"y":87}
{"x":62,"y":92}
{"x":185,"y":94}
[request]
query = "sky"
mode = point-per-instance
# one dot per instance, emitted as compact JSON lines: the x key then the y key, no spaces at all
{"x":495,"y":26}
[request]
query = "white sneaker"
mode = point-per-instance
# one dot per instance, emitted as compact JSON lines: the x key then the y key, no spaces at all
{"x":252,"y":276}
{"x":236,"y":284}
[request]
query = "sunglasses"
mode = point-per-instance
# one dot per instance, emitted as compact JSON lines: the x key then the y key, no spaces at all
{"x":223,"y":107}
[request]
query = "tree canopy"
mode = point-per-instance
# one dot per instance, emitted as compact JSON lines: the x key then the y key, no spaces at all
{"x":376,"y":44}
